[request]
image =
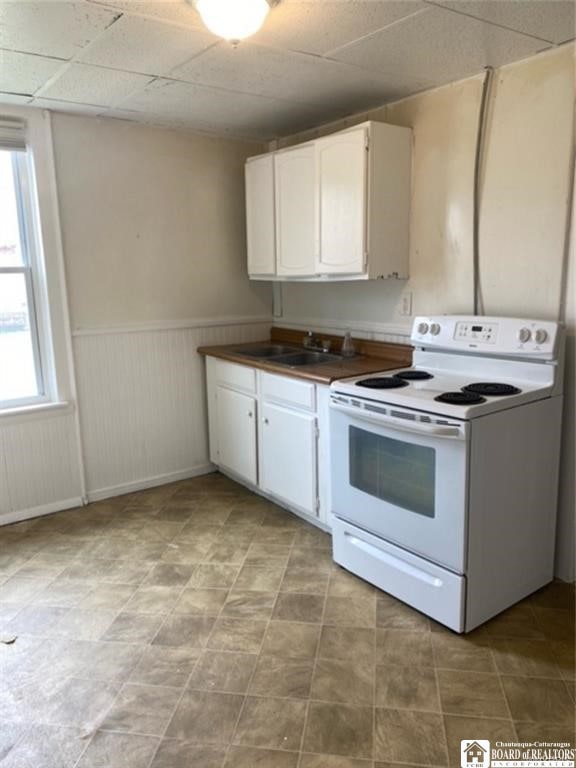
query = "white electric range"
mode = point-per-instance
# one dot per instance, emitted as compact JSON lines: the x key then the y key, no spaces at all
{"x":445,"y":475}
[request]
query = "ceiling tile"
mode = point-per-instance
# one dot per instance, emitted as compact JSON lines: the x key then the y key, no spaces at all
{"x":85,"y":84}
{"x":297,"y":77}
{"x":228,"y":112}
{"x":318,"y":26}
{"x":438,"y":46}
{"x":174,"y":11}
{"x":551,"y":20}
{"x":59,"y":29}
{"x":141,"y":45}
{"x":14,"y":98}
{"x":67,"y":106}
{"x":24,"y":73}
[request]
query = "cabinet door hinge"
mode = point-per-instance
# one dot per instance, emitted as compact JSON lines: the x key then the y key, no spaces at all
{"x":317,"y":432}
{"x":317,"y":504}
{"x":367,"y":141}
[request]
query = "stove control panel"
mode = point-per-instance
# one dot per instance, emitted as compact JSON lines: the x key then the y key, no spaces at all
{"x":506,"y":336}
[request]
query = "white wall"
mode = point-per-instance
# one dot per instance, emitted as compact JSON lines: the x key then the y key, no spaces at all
{"x":153,"y":224}
{"x":524,"y":206}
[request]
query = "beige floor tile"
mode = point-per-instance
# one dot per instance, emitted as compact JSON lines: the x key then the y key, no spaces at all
{"x":159,"y":665}
{"x":153,"y":599}
{"x":347,"y":643}
{"x":471,"y":693}
{"x":111,"y":661}
{"x":214,"y":575}
{"x":304,"y":581}
{"x":339,"y":729}
{"x":332,"y":761}
{"x":251,"y":757}
{"x":565,"y":657}
{"x":242,"y":635}
{"x":351,"y":612}
{"x":143,"y":709}
{"x":538,"y":699}
{"x":271,"y":723}
{"x":133,"y":628}
{"x":317,"y":559}
{"x":103,"y":597}
{"x":393,"y":614}
{"x":346,"y":682}
{"x":33,"y":619}
{"x":556,"y":624}
{"x":534,"y":658}
{"x":519,"y":621}
{"x":404,"y":648}
{"x":189,"y":631}
{"x":205,"y":718}
{"x":284,"y":638}
{"x":178,"y":753}
{"x":224,"y":672}
{"x":169,"y":575}
{"x":283,"y":677}
{"x":556,"y":595}
{"x":118,"y":749}
{"x":242,"y":604}
{"x":459,"y":728}
{"x":291,"y":606}
{"x":463,"y":652}
{"x":345,"y":584}
{"x":414,"y":737}
{"x":203,"y":602}
{"x":267,"y":554}
{"x":41,"y":746}
{"x":258,"y":577}
{"x":407,"y":688}
{"x":551,"y":732}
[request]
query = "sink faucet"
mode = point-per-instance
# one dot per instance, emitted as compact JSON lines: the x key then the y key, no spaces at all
{"x":318,"y":345}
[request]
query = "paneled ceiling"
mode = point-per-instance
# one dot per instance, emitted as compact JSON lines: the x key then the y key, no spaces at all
{"x":314,"y":61}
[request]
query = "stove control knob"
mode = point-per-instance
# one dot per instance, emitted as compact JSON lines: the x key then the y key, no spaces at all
{"x":524,"y":335}
{"x":540,"y":336}
{"x":422,"y":328}
{"x":434,"y":329}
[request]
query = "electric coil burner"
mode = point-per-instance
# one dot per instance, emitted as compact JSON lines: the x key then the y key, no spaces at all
{"x":445,"y":474}
{"x":492,"y":389}
{"x":460,"y":398}
{"x":413,"y":375}
{"x":385,"y":382}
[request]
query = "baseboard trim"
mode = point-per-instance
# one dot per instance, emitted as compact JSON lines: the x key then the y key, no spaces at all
{"x":45,"y":509}
{"x":150,"y":482}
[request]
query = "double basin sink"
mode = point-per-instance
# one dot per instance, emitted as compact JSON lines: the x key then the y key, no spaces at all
{"x":289,"y":356}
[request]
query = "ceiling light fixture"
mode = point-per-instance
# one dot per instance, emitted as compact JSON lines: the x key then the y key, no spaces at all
{"x":233,"y":20}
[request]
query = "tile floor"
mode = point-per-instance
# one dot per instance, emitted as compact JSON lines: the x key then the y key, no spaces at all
{"x":199,"y":626}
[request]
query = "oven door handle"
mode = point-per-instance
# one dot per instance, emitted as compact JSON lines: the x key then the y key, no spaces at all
{"x":415,"y":427}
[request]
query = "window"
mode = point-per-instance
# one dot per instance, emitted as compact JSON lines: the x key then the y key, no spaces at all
{"x":22,"y":379}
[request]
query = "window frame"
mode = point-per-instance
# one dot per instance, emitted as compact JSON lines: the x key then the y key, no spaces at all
{"x":32,"y":271}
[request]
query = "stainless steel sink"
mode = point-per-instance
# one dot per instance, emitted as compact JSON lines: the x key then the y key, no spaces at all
{"x":268,"y":351}
{"x":306,"y":358}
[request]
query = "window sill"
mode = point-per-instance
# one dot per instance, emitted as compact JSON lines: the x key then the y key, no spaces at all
{"x":36,"y":411}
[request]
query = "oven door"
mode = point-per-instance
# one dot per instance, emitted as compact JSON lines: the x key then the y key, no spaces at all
{"x":401,"y":475}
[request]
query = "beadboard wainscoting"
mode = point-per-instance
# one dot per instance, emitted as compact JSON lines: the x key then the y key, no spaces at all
{"x":142,"y":401}
{"x":39,"y":464}
{"x":372,"y":331}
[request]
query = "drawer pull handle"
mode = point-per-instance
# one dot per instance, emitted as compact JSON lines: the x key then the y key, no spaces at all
{"x":395,"y":562}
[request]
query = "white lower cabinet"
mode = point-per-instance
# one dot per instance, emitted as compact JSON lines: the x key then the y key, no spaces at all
{"x":270,"y":432}
{"x":288,"y":456}
{"x":236,"y":427}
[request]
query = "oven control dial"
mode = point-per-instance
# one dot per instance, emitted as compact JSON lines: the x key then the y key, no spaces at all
{"x":434,"y":329}
{"x":524,"y":335}
{"x":540,"y":336}
{"x":423,"y":328}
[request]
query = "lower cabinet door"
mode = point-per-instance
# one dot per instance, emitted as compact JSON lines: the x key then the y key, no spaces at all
{"x":288,"y":456}
{"x":236,"y":414}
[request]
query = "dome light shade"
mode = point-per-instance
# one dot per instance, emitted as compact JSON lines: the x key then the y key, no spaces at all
{"x":233,"y":19}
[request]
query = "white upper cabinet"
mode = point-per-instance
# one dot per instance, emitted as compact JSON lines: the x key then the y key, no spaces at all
{"x":294,"y":171}
{"x":260,"y":215}
{"x":342,"y":207}
{"x":341,"y":172}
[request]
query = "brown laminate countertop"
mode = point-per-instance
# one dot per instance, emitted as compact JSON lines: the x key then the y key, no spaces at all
{"x":372,"y":357}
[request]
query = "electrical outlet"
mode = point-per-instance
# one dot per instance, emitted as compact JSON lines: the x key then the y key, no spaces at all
{"x":406,"y":304}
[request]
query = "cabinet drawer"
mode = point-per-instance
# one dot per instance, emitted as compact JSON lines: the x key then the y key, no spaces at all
{"x":235,"y":376}
{"x":287,"y":390}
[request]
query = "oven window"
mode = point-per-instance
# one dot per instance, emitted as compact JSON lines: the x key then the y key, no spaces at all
{"x":395,"y":471}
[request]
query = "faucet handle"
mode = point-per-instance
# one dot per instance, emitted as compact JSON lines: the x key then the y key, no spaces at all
{"x":308,"y":340}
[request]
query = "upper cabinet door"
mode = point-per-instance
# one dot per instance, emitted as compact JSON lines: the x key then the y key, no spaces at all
{"x":295,"y":211}
{"x":341,"y":167}
{"x":260,"y":226}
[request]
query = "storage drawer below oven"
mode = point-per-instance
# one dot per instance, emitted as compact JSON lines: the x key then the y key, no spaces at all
{"x":430,"y":589}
